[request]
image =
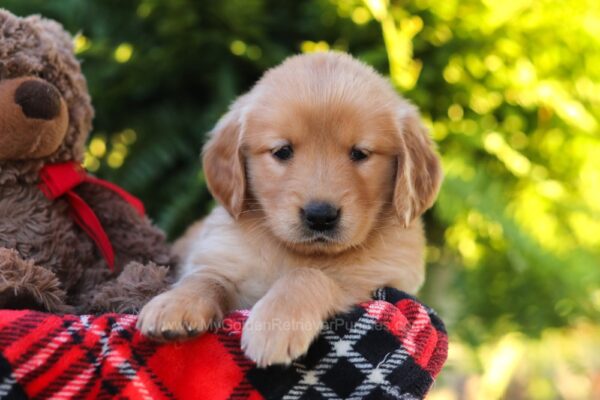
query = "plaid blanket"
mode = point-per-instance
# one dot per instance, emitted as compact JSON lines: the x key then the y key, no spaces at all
{"x":389,"y":348}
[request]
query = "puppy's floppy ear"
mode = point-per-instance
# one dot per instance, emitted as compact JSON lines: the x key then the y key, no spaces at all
{"x":223,"y":161}
{"x":419,"y":172}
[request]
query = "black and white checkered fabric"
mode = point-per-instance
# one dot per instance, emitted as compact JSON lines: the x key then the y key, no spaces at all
{"x":357,"y":356}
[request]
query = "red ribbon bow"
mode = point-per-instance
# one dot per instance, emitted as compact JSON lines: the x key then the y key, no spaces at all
{"x":58,"y":180}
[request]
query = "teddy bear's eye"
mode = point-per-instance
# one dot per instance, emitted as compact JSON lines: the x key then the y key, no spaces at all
{"x":358,"y":154}
{"x":283,"y":153}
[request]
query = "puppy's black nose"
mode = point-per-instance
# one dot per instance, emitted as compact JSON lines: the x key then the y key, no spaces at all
{"x":320,"y":216}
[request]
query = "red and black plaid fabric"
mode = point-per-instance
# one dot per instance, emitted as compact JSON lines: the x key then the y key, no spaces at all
{"x":389,"y":348}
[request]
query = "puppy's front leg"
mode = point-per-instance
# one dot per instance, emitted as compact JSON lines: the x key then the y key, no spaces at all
{"x":188,"y":308}
{"x":287,"y":319}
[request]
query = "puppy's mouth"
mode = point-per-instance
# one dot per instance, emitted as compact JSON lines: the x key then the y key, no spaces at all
{"x":319,"y":239}
{"x":304,"y":240}
{"x":307,"y":242}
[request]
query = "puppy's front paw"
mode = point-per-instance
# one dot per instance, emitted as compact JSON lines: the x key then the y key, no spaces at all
{"x":176,"y":316}
{"x":271,"y":337}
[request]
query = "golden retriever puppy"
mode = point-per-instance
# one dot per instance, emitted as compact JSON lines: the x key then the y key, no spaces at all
{"x":322,"y":172}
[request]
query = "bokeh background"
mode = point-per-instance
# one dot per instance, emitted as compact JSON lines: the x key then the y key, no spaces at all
{"x":510,"y":91}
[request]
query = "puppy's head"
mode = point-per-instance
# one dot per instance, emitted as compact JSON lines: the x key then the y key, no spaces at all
{"x":323,"y":152}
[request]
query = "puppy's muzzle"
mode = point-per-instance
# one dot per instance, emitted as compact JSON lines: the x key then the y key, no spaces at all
{"x":320,"y":216}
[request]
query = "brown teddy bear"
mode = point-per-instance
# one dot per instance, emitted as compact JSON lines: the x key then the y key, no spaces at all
{"x":68,"y":242}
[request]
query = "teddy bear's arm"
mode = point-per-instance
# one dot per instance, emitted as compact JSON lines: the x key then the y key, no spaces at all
{"x":25,"y":285}
{"x":130,"y":291}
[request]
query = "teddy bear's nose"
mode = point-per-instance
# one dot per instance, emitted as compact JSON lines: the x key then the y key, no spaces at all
{"x":38,"y":99}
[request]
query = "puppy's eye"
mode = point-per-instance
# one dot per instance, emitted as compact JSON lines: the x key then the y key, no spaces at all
{"x":284,"y":153}
{"x":358,"y":155}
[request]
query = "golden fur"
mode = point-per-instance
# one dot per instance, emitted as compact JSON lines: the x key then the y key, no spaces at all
{"x":253,"y":251}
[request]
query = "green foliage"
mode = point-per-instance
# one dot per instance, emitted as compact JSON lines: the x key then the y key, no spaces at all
{"x":510,"y":91}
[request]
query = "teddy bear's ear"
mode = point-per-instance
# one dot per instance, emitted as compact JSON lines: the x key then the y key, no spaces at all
{"x":51,"y":31}
{"x":223,"y":160}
